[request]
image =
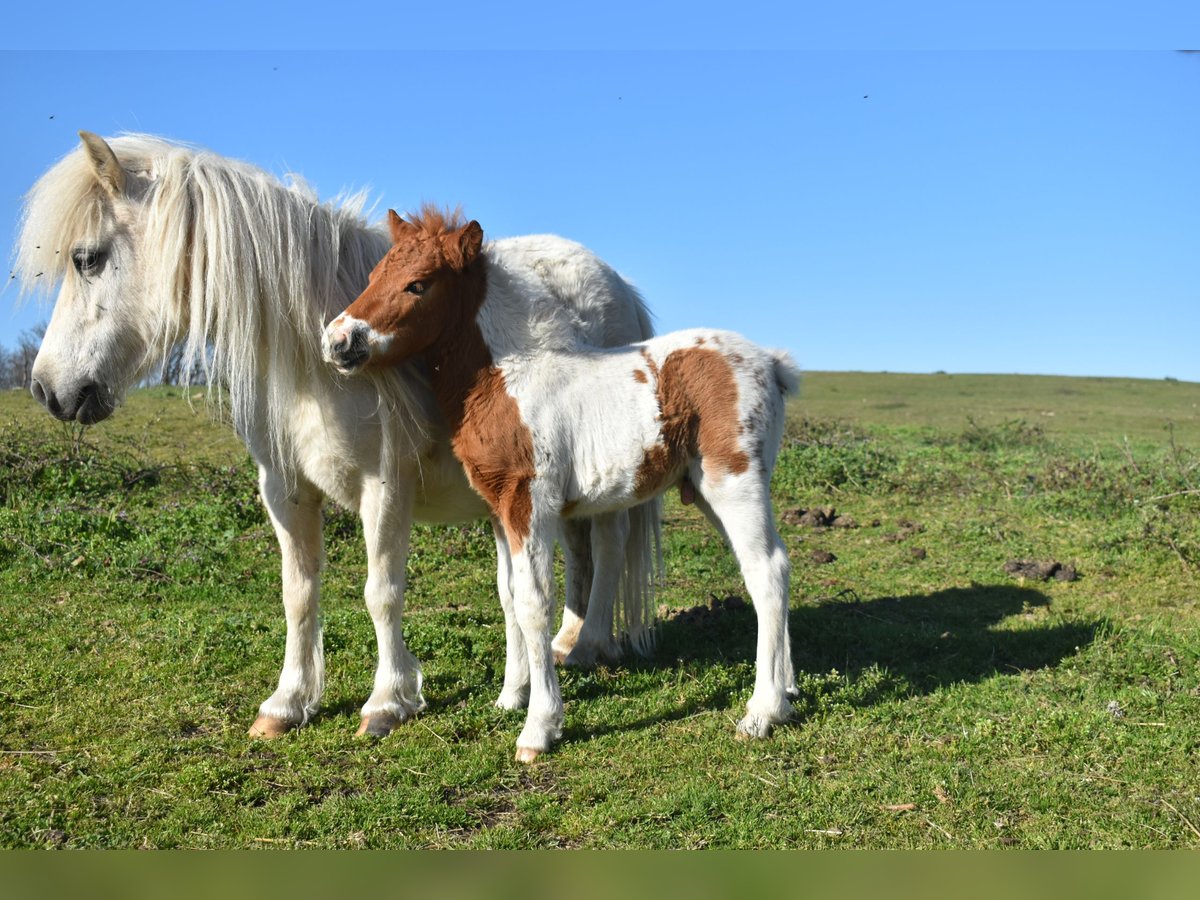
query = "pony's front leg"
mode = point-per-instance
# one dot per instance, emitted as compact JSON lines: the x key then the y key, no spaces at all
{"x":596,"y":642}
{"x":386,"y":511}
{"x":515,"y":693}
{"x":533,"y":586}
{"x":296,"y":515}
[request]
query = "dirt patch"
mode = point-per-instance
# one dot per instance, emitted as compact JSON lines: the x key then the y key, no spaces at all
{"x":822,"y":557}
{"x":1035,"y":570}
{"x":819,"y":517}
{"x":918,"y":553}
{"x":907,"y":530}
{"x":705,"y":614}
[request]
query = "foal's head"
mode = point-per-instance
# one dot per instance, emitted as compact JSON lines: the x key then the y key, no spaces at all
{"x":425,"y":283}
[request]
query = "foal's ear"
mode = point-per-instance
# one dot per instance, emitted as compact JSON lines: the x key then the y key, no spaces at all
{"x":470,"y":242}
{"x":104,"y":163}
{"x":398,"y":227}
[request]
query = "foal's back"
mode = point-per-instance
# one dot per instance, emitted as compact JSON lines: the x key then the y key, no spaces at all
{"x":612,"y":427}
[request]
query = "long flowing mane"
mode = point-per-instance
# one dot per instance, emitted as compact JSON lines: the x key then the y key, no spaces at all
{"x":245,"y":268}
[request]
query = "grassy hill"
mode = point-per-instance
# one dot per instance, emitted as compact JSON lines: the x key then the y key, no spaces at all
{"x":945,"y":701}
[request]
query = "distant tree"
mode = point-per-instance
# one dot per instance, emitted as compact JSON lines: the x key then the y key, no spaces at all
{"x":176,"y":370}
{"x":16,"y":366}
{"x":26,"y":353}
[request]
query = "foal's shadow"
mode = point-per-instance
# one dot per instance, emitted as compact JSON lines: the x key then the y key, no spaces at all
{"x":883,"y":648}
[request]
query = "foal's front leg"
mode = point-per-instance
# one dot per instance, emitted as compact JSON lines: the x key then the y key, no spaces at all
{"x":386,"y":510}
{"x":515,"y":693}
{"x":296,"y":515}
{"x":533,"y":587}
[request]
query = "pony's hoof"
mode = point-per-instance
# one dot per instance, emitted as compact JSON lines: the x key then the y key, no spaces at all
{"x":266,"y":728}
{"x":379,"y":725}
{"x":527,"y":755}
{"x":588,"y":656}
{"x":753,"y":728}
{"x":512,"y":701}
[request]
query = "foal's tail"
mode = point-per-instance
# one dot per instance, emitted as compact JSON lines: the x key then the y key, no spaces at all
{"x":787,"y":373}
{"x":637,"y":611}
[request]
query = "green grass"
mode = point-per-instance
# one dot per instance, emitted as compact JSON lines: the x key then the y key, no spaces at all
{"x":943,"y":703}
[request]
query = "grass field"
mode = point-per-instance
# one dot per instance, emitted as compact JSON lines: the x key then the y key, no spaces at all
{"x":944,"y":701}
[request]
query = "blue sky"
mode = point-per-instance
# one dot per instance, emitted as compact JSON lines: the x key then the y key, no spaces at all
{"x":971,"y":210}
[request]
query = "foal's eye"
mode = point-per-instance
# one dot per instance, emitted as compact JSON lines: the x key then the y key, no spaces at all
{"x":417,"y":287}
{"x":87,"y":261}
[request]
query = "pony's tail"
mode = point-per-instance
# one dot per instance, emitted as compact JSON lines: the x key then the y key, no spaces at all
{"x":638,"y":589}
{"x":787,"y":373}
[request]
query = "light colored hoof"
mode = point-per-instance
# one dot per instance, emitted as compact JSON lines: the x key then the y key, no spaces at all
{"x":267,"y":728}
{"x":527,"y":755}
{"x":564,"y":642}
{"x":753,"y":728}
{"x":379,"y":725}
{"x":588,"y":656}
{"x":512,"y":701}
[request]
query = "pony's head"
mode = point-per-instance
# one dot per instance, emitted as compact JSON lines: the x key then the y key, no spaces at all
{"x":420,"y":287}
{"x":81,"y":225}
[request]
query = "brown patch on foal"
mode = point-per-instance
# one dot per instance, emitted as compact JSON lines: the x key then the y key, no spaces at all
{"x":495,"y":447}
{"x":639,"y":376}
{"x":697,"y":401}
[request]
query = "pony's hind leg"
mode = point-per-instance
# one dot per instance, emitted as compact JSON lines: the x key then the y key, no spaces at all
{"x":742,"y":504}
{"x":577,"y":550}
{"x":296,"y":516}
{"x":386,"y":511}
{"x":515,"y":693}
{"x":596,"y":642}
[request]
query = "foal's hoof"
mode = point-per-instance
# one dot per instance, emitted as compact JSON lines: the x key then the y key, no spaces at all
{"x":268,"y":727}
{"x":379,"y":725}
{"x":527,"y":755}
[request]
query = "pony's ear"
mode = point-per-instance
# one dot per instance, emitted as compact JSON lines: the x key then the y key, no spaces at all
{"x":470,"y":241}
{"x":104,"y":163}
{"x":398,"y":227}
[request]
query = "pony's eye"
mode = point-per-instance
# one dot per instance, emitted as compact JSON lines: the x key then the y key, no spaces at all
{"x":417,"y":287}
{"x":87,"y":261}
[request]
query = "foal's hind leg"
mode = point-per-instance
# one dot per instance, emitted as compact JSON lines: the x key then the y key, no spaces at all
{"x":577,"y":549}
{"x":742,"y":504}
{"x":296,"y":515}
{"x":596,"y":642}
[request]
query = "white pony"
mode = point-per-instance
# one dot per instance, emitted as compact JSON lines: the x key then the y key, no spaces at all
{"x":565,"y":431}
{"x":156,"y":242}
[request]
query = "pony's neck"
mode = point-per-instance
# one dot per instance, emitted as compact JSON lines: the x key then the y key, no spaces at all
{"x":460,"y":361}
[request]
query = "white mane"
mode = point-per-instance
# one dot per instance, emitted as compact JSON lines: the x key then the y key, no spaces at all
{"x":231,"y":259}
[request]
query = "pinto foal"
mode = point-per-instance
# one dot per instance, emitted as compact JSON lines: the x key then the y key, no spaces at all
{"x":589,"y":432}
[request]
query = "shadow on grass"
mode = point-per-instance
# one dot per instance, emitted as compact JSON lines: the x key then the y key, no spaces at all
{"x":884,"y":648}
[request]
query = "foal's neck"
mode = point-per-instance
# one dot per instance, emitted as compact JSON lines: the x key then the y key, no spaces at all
{"x":460,"y":361}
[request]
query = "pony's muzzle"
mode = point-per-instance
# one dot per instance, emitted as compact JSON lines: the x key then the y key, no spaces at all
{"x":88,"y":404}
{"x":346,"y":346}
